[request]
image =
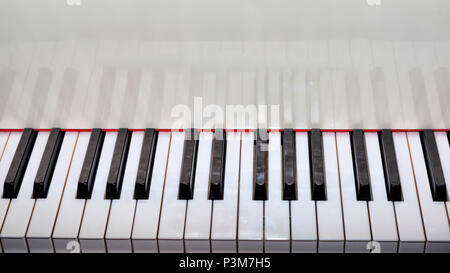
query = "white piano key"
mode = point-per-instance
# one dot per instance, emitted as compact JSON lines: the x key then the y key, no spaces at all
{"x":444,"y":155}
{"x":276,"y":210}
{"x":303,"y":210}
{"x":146,"y":218}
{"x":70,"y":213}
{"x":434,"y":214}
{"x":251,"y":212}
{"x":173,"y":211}
{"x":198,"y":215}
{"x":356,"y":218}
{"x":407,"y":212}
{"x":19,"y":213}
{"x":121,"y":214}
{"x":96,"y":210}
{"x":224,"y":215}
{"x":45,"y":210}
{"x":7,"y":157}
{"x":381,"y":210}
{"x":329,"y":212}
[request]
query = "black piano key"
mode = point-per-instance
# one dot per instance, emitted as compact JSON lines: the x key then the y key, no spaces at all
{"x":217,"y":174}
{"x":434,"y":167}
{"x":261,"y":156}
{"x":90,"y":164}
{"x":390,"y":167}
{"x":318,"y":185}
{"x":19,"y":163}
{"x":187,"y":176}
{"x":362,"y":181}
{"x":289,"y":165}
{"x":48,"y":162}
{"x":118,"y":163}
{"x":146,"y":162}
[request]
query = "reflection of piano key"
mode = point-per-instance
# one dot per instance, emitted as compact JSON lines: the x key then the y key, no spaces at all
{"x":362,"y":63}
{"x":404,"y":61}
{"x":443,"y":85}
{"x":198,"y":214}
{"x":286,"y":92}
{"x":7,"y":77}
{"x":382,"y":213}
{"x":340,"y":62}
{"x":101,"y":85}
{"x":380,"y":97}
{"x":326,"y":95}
{"x":355,"y":212}
{"x":409,"y":220}
{"x":312,"y":82}
{"x":62,"y":58}
{"x":65,"y":96}
{"x":383,"y":59}
{"x":81,"y":70}
{"x":419,"y":90}
{"x":83,"y":62}
{"x":354,"y":99}
{"x":45,"y":212}
{"x":442,"y":142}
{"x":433,"y":213}
{"x":426,"y":61}
{"x":21,"y":207}
{"x":40,"y":94}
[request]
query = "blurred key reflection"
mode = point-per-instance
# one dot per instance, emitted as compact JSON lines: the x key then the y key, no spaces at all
{"x":112,"y":84}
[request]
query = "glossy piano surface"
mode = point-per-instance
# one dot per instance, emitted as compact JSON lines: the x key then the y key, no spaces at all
{"x":348,"y":67}
{"x":328,"y":64}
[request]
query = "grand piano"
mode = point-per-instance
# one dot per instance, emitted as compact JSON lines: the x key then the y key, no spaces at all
{"x":224,"y":126}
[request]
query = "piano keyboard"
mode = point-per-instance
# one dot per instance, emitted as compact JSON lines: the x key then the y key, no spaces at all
{"x":224,"y":191}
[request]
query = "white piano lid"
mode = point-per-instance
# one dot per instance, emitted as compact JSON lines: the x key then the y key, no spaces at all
{"x":325,"y":63}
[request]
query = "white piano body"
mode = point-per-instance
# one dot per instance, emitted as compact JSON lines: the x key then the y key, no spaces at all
{"x":328,"y":64}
